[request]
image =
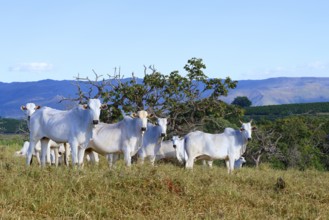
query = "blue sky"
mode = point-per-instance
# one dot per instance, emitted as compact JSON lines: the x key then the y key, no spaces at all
{"x":241,"y":39}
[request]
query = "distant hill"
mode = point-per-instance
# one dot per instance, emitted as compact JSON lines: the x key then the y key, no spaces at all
{"x":261,"y":92}
{"x":283,"y":90}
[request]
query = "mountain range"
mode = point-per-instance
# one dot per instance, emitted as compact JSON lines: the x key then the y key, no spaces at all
{"x":273,"y":91}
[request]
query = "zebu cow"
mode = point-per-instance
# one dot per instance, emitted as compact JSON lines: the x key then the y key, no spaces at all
{"x":166,"y":151}
{"x":53,"y":147}
{"x":178,"y":144}
{"x":23,"y":151}
{"x":124,"y":137}
{"x":152,"y":140}
{"x":73,"y":126}
{"x":228,"y":146}
{"x":238,"y":163}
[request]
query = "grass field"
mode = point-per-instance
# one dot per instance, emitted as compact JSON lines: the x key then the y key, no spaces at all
{"x":166,"y":191}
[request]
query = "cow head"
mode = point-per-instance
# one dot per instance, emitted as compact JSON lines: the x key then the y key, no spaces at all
{"x":178,"y":144}
{"x":142,"y":115}
{"x":243,"y":160}
{"x":247,"y":129}
{"x":29,"y":109}
{"x":94,"y":107}
{"x":175,"y":141}
{"x":162,"y":124}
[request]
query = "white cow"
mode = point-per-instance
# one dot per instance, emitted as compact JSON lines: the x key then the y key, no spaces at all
{"x":53,"y":147}
{"x":153,"y":140}
{"x":73,"y":126}
{"x":23,"y":151}
{"x":166,"y":151}
{"x":124,"y":137}
{"x":178,"y":145}
{"x":181,"y":155}
{"x":238,"y":163}
{"x":228,"y":146}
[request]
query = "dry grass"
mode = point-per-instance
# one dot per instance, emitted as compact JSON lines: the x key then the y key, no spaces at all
{"x":162,"y":192}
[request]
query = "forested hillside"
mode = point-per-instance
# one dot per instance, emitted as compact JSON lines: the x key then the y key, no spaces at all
{"x":277,"y":111}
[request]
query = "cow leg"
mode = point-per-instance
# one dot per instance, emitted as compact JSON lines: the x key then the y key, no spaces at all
{"x":44,"y":150}
{"x":152,"y":160}
{"x":189,"y":163}
{"x":209,"y":162}
{"x":127,"y":158}
{"x":56,"y":156}
{"x":30,"y":151}
{"x":112,"y":158}
{"x":38,"y":156}
{"x":74,"y":153}
{"x":81,"y":154}
{"x":231,"y":163}
{"x":227,"y":162}
{"x":48,"y":159}
{"x":96,"y":157}
{"x":66,"y":154}
{"x":93,"y":157}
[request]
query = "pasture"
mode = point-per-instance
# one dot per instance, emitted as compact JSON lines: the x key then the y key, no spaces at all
{"x":166,"y":191}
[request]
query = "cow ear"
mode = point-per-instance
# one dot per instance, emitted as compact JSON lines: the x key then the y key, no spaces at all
{"x":254,"y":128}
{"x":23,"y":108}
{"x":37,"y":107}
{"x":133,"y":115}
{"x":104,"y":106}
{"x":85,"y":106}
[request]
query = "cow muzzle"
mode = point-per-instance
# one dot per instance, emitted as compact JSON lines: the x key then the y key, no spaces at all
{"x":249,"y":139}
{"x":95,"y":122}
{"x":143,"y":129}
{"x":174,"y":146}
{"x":163,"y":134}
{"x":28,"y":118}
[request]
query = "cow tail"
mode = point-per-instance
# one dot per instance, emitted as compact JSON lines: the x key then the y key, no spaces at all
{"x":186,"y":142}
{"x":185,"y":152}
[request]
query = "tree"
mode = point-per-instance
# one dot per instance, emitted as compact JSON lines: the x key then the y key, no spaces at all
{"x":264,"y":143}
{"x":190,"y":101}
{"x":242,"y":101}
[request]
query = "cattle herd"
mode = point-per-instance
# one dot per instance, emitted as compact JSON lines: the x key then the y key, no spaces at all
{"x":78,"y":132}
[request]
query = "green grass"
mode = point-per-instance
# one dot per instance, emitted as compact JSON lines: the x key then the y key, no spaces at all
{"x":162,"y":192}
